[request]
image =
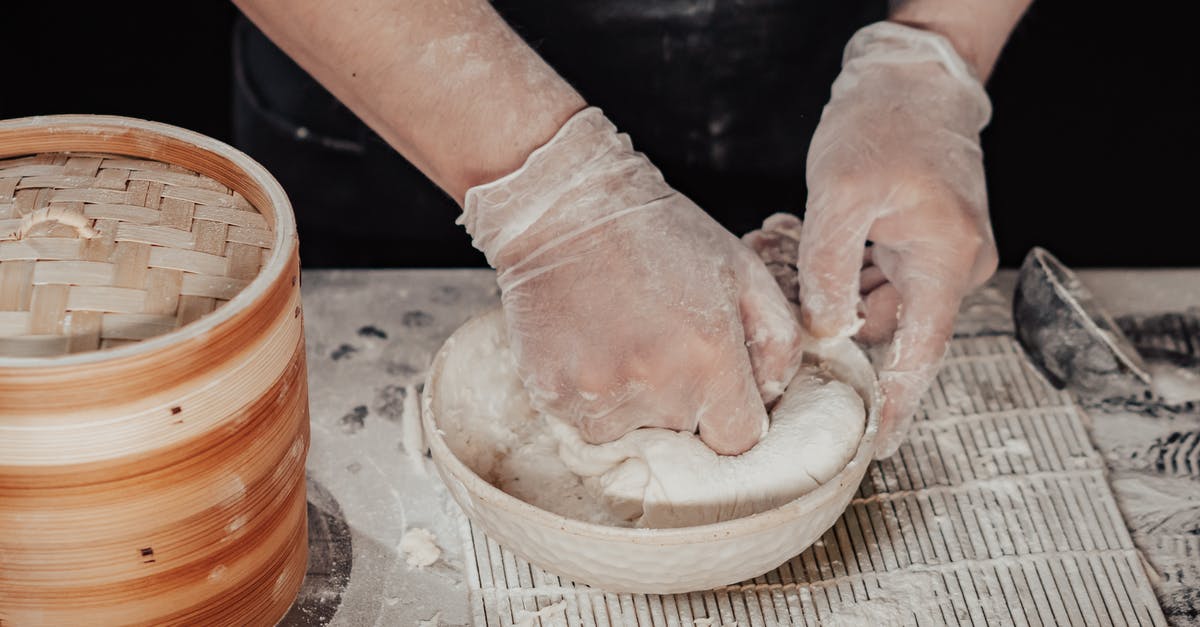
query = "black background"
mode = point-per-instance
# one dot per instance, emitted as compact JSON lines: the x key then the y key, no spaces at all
{"x":1091,"y":151}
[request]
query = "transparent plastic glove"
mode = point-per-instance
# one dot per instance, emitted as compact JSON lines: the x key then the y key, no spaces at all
{"x":896,"y":160}
{"x":777,"y":243}
{"x":628,"y":306}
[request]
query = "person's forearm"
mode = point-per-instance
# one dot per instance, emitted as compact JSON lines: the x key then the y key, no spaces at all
{"x":976,"y":28}
{"x":448,"y":84}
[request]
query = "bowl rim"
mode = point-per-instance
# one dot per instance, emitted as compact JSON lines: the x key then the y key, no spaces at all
{"x":284,"y":229}
{"x":446,"y":461}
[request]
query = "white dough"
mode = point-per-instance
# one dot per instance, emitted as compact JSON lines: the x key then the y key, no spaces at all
{"x":419,"y":547}
{"x":662,"y":478}
{"x":650,"y":477}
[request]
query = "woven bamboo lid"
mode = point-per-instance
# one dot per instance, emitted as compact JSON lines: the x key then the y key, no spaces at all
{"x":100,"y":250}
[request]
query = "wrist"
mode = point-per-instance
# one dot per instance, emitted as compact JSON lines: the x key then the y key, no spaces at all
{"x":576,"y":180}
{"x":977,"y":29}
{"x":921,"y":65}
{"x":500,"y":139}
{"x":958,"y":36}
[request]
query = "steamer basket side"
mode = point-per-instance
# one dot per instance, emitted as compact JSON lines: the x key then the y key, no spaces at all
{"x":160,"y":482}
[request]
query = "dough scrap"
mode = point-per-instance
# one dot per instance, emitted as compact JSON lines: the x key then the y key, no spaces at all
{"x":526,"y":617}
{"x":419,"y":547}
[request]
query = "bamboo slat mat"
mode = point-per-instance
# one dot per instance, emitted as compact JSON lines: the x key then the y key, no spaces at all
{"x":995,"y":512}
{"x":155,"y":246}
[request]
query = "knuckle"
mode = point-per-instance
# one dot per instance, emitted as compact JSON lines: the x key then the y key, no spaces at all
{"x":969,"y":239}
{"x":987,"y":264}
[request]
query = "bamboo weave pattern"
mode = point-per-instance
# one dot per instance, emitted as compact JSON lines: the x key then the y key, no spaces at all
{"x":169,"y":246}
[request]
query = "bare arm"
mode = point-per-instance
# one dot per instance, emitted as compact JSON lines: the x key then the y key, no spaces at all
{"x":977,"y":28}
{"x":586,"y":237}
{"x":448,"y":83}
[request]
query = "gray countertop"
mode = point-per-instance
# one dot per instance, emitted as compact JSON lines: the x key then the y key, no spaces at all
{"x":371,"y":335}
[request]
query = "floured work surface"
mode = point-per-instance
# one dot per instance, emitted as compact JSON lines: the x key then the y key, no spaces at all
{"x":1152,"y":446}
{"x":996,"y":511}
{"x":371,"y":335}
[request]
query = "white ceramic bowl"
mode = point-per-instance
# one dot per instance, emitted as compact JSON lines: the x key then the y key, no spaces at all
{"x":659,"y":561}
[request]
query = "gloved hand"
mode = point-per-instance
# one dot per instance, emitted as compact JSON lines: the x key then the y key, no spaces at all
{"x":626,"y":305}
{"x":777,"y":243}
{"x":896,"y":160}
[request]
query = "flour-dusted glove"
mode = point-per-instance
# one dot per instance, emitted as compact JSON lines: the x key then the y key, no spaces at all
{"x":628,"y":306}
{"x":896,"y":160}
{"x":777,"y":243}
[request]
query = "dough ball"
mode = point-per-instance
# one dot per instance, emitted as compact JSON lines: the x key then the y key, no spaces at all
{"x":650,"y":477}
{"x":661,"y":478}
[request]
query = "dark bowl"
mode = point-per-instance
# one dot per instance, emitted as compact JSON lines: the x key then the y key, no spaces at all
{"x":1068,"y":335}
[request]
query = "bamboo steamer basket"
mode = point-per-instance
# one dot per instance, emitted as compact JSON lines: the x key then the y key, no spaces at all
{"x":153,"y":398}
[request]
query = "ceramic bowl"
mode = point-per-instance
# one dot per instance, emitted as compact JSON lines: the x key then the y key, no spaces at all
{"x":657,"y":561}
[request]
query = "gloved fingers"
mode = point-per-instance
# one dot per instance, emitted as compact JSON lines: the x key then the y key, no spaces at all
{"x":923,"y":332}
{"x":828,"y":265}
{"x":611,"y":394}
{"x":870,"y":279}
{"x":900,"y":403}
{"x":732,"y":417}
{"x":638,"y":407}
{"x":881,"y":307}
{"x":772,"y":333}
{"x":880,"y":303}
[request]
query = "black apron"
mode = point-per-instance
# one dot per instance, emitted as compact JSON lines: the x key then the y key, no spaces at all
{"x":722,"y":95}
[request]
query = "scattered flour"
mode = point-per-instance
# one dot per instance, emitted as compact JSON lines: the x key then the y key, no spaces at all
{"x":1159,"y":505}
{"x":1173,"y":384}
{"x":957,"y":398}
{"x":1018,"y":447}
{"x":899,"y":598}
{"x":419,"y":547}
{"x":526,"y":618}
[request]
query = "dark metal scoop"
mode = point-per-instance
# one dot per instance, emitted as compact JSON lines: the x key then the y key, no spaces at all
{"x":1068,"y":335}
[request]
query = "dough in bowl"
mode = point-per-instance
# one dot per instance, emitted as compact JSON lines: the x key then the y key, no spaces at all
{"x":662,"y":478}
{"x":650,"y":477}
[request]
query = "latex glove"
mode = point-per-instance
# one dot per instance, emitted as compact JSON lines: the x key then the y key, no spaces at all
{"x":626,"y":305}
{"x":777,"y":243}
{"x":896,"y":160}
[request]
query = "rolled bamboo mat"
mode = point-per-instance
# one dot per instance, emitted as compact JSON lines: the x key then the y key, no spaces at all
{"x":153,"y":394}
